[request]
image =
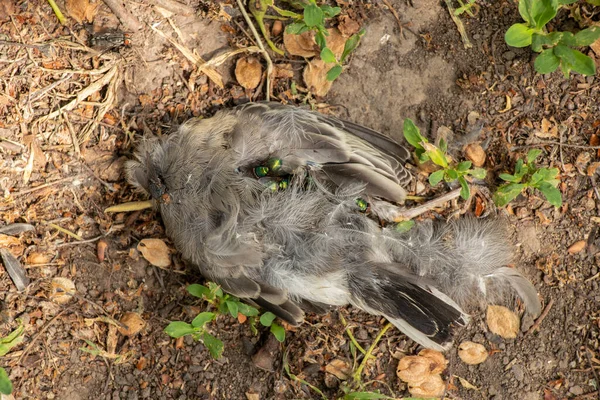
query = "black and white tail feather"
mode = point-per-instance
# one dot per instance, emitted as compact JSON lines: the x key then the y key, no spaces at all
{"x":309,"y":247}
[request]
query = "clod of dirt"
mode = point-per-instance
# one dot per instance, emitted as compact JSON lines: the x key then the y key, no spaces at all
{"x":61,"y":290}
{"x":502,"y":321}
{"x":416,"y":369}
{"x":475,"y":153}
{"x":315,"y":77}
{"x":577,"y":247}
{"x":277,"y":28}
{"x":248,"y":72}
{"x":155,"y":251}
{"x":340,"y":368}
{"x":82,"y":10}
{"x":431,"y":386}
{"x":303,"y":45}
{"x":265,"y":357}
{"x":132,"y":323}
{"x":472,"y":353}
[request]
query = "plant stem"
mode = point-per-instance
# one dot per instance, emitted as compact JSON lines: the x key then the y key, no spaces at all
{"x":357,"y":374}
{"x":59,"y":15}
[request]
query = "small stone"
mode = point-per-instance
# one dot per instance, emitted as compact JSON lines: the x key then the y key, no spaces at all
{"x":509,"y":55}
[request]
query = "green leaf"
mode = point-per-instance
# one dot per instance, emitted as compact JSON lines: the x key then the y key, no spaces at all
{"x":443,"y":145}
{"x":247,"y":310}
{"x":6,"y":386}
{"x":267,"y":318}
{"x":214,"y":345}
{"x":334,"y":72}
{"x":422,"y":155}
{"x":518,"y":35}
{"x":463,"y":166}
{"x":478,"y":173}
{"x":435,"y":154}
{"x":525,"y":10}
{"x":178,"y":329}
{"x":567,"y":39}
{"x":321,"y":40}
{"x":510,"y":178}
{"x":587,"y":36}
{"x":215,"y":289}
{"x":532,"y":155}
{"x":232,"y":306}
{"x":313,"y":15}
{"x":330,"y":12}
{"x":540,"y":39}
{"x":542,"y":11}
{"x":278,"y":331}
{"x":13,"y":339}
{"x":575,"y":60}
{"x":365,"y":396}
{"x":451,"y":174}
{"x":412,"y":134}
{"x":200,"y":291}
{"x":548,"y":174}
{"x":327,"y":55}
{"x":552,"y":194}
{"x":436,"y":177}
{"x":521,"y":169}
{"x":592,"y":2}
{"x":351,"y":44}
{"x":465,"y":192}
{"x":546,"y":62}
{"x":567,"y":2}
{"x":404,"y":226}
{"x":295,"y":28}
{"x":507,"y":193}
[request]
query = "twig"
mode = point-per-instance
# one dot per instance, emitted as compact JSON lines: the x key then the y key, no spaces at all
{"x":45,"y":185}
{"x":547,"y":143}
{"x":262,"y":48}
{"x":65,"y":231}
{"x":36,"y":337}
{"x":416,"y":211}
{"x":459,"y":25}
{"x":81,"y":241}
{"x":542,"y":316}
{"x":397,"y":18}
{"x":124,"y":16}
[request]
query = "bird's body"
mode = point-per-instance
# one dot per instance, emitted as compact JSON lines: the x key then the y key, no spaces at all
{"x":269,"y":202}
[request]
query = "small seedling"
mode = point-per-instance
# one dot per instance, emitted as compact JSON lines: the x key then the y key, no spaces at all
{"x":221,"y":304}
{"x":6,"y":344}
{"x":466,"y":8}
{"x":555,"y":48}
{"x":449,"y":172}
{"x":528,"y":175}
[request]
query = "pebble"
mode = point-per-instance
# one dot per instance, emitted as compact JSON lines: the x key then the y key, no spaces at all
{"x":576,"y":390}
{"x":509,"y":55}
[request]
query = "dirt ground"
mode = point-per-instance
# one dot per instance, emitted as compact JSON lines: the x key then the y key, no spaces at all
{"x":63,"y":168}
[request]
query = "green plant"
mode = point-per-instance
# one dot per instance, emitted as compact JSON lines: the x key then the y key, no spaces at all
{"x":528,"y":175}
{"x":221,"y":304}
{"x":6,"y":344}
{"x":555,"y":48}
{"x":312,"y":18}
{"x":465,"y":8}
{"x":449,"y":172}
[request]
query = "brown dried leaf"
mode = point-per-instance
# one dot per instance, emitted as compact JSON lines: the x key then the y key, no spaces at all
{"x":582,"y":162}
{"x":82,"y":10}
{"x":596,"y":47}
{"x":283,"y":71}
{"x":475,"y":153}
{"x":348,"y":26}
{"x":315,"y":77}
{"x":502,"y":321}
{"x":592,"y":168}
{"x":61,"y":290}
{"x":303,"y":45}
{"x":466,"y":384}
{"x":13,"y":243}
{"x":155,"y":251}
{"x":548,"y":130}
{"x":431,"y":386}
{"x":472,"y":353}
{"x":336,"y":42}
{"x":132,"y":322}
{"x":577,"y":247}
{"x":248,"y":72}
{"x":340,"y":368}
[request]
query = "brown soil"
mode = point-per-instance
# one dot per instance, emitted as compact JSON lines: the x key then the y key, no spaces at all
{"x":425,"y":73}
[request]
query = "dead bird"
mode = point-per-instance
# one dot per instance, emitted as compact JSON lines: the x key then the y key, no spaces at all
{"x":281,"y":207}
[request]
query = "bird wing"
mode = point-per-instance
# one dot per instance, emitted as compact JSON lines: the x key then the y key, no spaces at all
{"x":340,"y":152}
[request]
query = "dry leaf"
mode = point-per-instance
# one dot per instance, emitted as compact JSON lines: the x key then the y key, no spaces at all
{"x":111,"y":339}
{"x":12,"y":243}
{"x":61,"y":290}
{"x":431,"y":386}
{"x":283,"y":71}
{"x":596,"y":47}
{"x":472,"y":353}
{"x":475,"y":153}
{"x":248,"y":72}
{"x":595,"y":141}
{"x":336,"y":42}
{"x":466,"y":384}
{"x":438,"y":359}
{"x":315,"y":77}
{"x":155,"y":251}
{"x":582,"y":162}
{"x":348,"y":26}
{"x":252,"y":396}
{"x":340,"y":368}
{"x":502,"y":321}
{"x":548,"y":131}
{"x":592,"y":168}
{"x":82,"y":10}
{"x":132,"y":324}
{"x":303,"y":45}
{"x":577,"y":247}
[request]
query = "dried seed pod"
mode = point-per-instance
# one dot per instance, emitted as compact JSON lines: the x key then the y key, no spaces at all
{"x":472,"y":353}
{"x":502,"y":321}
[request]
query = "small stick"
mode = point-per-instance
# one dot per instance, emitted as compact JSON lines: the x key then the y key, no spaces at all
{"x":262,"y":48}
{"x":124,"y":16}
{"x":36,"y":337}
{"x":416,"y":211}
{"x":546,"y":143}
{"x":459,"y":25}
{"x":542,"y":316}
{"x":45,"y":185}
